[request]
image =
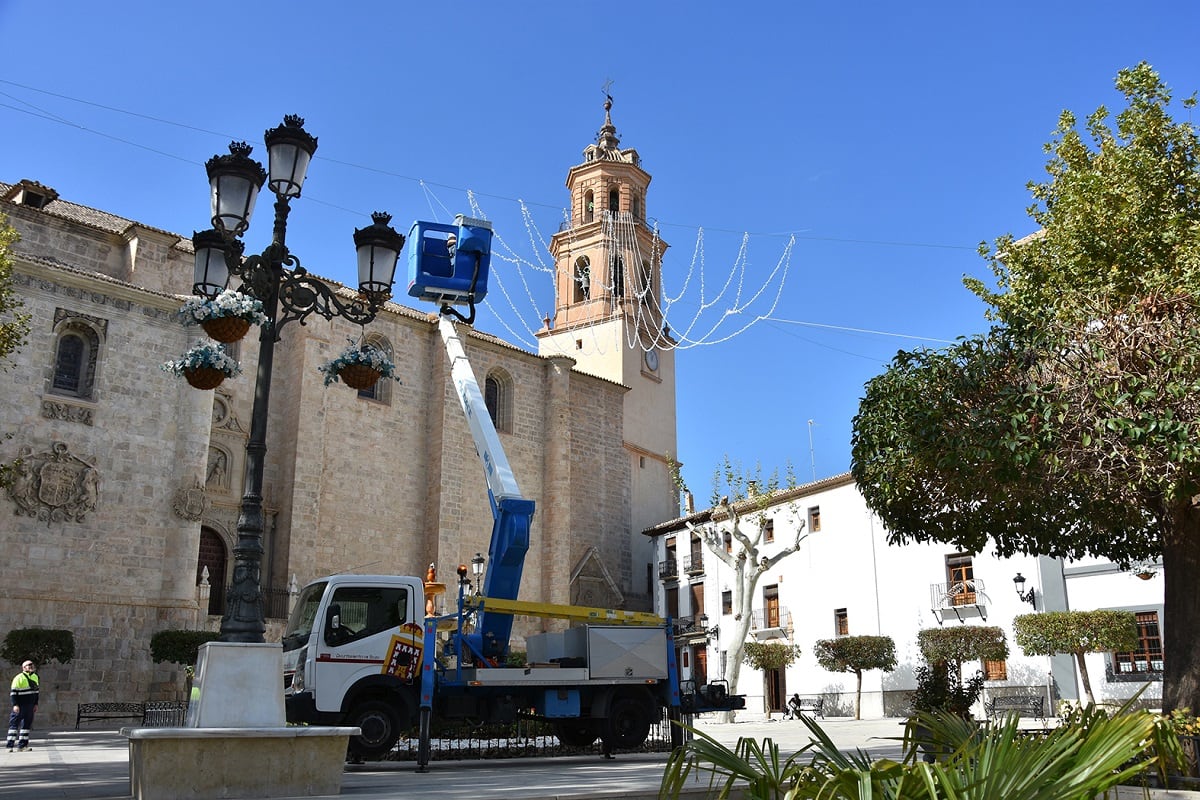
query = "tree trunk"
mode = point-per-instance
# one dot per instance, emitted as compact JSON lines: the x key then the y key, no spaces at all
{"x":858,"y":695}
{"x":1181,"y":610}
{"x":1081,"y":662}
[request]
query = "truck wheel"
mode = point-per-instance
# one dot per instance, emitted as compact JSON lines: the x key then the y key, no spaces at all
{"x":380,"y":729}
{"x":627,"y":725}
{"x":576,"y":732}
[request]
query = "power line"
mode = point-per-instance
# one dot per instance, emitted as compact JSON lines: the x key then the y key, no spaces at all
{"x":42,"y":114}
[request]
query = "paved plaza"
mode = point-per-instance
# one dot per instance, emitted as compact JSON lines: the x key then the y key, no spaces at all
{"x":95,"y":765}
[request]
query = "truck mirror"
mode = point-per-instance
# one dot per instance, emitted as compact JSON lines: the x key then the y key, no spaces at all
{"x":333,"y":621}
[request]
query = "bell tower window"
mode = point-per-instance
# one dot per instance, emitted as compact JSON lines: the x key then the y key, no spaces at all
{"x":583,"y":279}
{"x":589,"y":206}
{"x":618,"y":276}
{"x":614,"y":200}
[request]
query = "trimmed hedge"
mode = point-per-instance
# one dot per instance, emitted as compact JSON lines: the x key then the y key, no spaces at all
{"x":179,"y":646}
{"x":40,"y":645}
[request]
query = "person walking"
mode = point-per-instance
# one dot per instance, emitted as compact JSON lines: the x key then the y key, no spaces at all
{"x":24,"y":704}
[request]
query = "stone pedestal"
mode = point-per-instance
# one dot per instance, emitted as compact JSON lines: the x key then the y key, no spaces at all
{"x":204,"y":763}
{"x":236,"y":742}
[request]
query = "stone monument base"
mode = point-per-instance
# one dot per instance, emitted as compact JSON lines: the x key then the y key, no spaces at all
{"x":204,"y":763}
{"x":236,"y":743}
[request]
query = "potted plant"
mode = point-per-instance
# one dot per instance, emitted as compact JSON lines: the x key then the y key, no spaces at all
{"x":204,"y":366}
{"x":939,"y":691}
{"x":225,"y":317}
{"x":359,"y":366}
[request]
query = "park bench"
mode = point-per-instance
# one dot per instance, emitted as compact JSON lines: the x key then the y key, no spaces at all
{"x":153,"y":714}
{"x":1022,"y":705}
{"x":813,"y":706}
{"x":105,"y":711}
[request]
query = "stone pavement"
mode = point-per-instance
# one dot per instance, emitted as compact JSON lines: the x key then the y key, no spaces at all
{"x":94,"y":765}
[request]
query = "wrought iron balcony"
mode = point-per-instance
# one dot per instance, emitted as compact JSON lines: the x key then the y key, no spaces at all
{"x":958,"y":599}
{"x":694,"y":564}
{"x":777,"y":617}
{"x":668,"y":570}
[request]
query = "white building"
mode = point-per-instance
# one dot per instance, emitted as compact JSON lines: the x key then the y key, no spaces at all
{"x":847,"y":580}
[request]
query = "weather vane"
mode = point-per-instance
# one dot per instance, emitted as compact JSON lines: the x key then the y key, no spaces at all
{"x":607,"y":88}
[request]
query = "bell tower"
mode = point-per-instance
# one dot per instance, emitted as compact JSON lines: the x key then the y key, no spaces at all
{"x":608,"y":317}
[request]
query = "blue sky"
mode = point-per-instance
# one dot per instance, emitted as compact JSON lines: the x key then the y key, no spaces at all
{"x":864,"y":148}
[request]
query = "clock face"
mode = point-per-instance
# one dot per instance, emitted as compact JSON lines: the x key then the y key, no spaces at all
{"x":652,"y":360}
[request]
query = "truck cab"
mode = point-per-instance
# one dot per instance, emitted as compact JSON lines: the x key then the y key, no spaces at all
{"x":351,"y":652}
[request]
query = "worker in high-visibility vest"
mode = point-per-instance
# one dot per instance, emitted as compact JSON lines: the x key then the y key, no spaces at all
{"x":24,"y":704}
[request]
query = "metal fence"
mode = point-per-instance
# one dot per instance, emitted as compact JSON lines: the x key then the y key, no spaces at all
{"x":275,"y":601}
{"x":524,"y":738}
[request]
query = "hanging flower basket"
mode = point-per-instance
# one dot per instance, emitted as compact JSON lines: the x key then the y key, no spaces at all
{"x":359,"y":376}
{"x":226,"y":329}
{"x":204,"y":366}
{"x":226,"y":317}
{"x":359,"y":367}
{"x":204,"y":377}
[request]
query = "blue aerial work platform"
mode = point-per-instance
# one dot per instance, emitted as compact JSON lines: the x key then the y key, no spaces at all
{"x":448,"y":264}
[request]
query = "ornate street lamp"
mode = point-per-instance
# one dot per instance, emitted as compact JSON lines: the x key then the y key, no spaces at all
{"x":1025,"y":597}
{"x":477,"y":568}
{"x":287,"y":295}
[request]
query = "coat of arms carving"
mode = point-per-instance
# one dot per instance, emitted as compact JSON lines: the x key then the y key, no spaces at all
{"x":54,"y":486}
{"x":191,"y":502}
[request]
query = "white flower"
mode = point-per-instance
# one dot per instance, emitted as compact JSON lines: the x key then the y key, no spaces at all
{"x":365,"y":355}
{"x":228,"y":303}
{"x":204,"y":354}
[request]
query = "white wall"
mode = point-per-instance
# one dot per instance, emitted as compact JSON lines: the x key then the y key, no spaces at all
{"x":886,"y":590}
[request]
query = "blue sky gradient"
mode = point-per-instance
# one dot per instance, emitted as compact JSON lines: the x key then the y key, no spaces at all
{"x":855,"y":154}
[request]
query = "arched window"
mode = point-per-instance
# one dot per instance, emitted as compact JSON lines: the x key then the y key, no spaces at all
{"x":583,"y":279}
{"x":75,"y":357}
{"x":498,"y":396}
{"x":637,"y":207}
{"x":617,"y":276}
{"x":381,"y":392}
{"x":614,"y":200}
{"x":589,"y":206}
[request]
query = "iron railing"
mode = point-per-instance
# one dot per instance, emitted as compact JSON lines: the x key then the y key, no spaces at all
{"x":523,"y":738}
{"x":777,"y":617}
{"x":276,"y":601}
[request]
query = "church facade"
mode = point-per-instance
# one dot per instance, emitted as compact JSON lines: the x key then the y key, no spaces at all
{"x":122,"y":519}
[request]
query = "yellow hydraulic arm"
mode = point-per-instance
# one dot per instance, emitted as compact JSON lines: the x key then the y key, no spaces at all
{"x":524,"y":608}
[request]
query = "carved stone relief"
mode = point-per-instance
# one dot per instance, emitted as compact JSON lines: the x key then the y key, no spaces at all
{"x":54,"y":486}
{"x":68,"y":412}
{"x":593,"y":585}
{"x":217,"y":473}
{"x":191,"y":502}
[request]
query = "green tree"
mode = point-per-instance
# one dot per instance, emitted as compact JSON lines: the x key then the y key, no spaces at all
{"x":1072,"y":428}
{"x":14,"y":323}
{"x":734,"y":530}
{"x":1077,"y":633}
{"x":856,"y":654}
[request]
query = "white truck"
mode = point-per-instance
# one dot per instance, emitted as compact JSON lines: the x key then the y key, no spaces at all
{"x":368,"y":651}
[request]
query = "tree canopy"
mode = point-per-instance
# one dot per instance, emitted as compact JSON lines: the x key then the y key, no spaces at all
{"x":1072,"y":427}
{"x":856,"y":654}
{"x":1077,"y":633}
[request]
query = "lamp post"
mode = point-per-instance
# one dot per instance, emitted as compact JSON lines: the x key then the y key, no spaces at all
{"x":288,"y":293}
{"x":1025,"y":597}
{"x":477,"y":569}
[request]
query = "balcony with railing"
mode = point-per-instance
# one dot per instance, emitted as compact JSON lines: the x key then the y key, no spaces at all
{"x":959,"y":600}
{"x":668,"y":570}
{"x":694,"y":564}
{"x":772,"y":622}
